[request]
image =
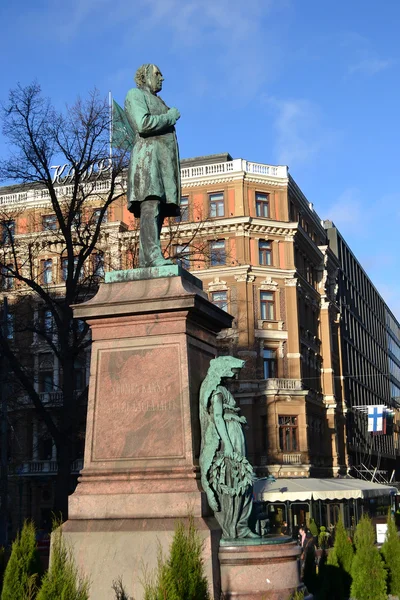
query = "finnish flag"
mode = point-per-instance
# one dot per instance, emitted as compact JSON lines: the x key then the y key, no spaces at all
{"x":375,"y":417}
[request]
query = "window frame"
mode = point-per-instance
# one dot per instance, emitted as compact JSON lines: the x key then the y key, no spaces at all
{"x":46,"y":386}
{"x":184,"y":216}
{"x":222,"y":304}
{"x":267,"y":306}
{"x":214,"y":253}
{"x":10,"y":326}
{"x":98,"y":265}
{"x":262,"y":201}
{"x":49,"y":222}
{"x":182,"y":255}
{"x":46,"y":270}
{"x":7,"y":280}
{"x":216,"y":200}
{"x":292,"y":432}
{"x":96,"y":215}
{"x":8,"y":231}
{"x":265,"y":253}
{"x":64,"y":268}
{"x":270,"y":363}
{"x":48,"y":321}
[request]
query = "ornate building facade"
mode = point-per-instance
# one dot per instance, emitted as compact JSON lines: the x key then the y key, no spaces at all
{"x":263,"y":254}
{"x":269,"y":264}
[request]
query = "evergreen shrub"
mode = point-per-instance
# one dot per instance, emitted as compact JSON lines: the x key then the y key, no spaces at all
{"x":313,"y":527}
{"x":335,"y":573}
{"x":367,"y":570}
{"x":391,"y":554}
{"x":342,"y":553}
{"x":181,"y":576}
{"x":23,"y":568}
{"x":62,"y":580}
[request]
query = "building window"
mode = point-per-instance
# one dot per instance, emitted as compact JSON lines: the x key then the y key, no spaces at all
{"x":262,"y":205}
{"x":182,"y":256}
{"x":7,"y":278}
{"x":64,"y":268}
{"x":184,"y":216}
{"x":267,"y":306}
{"x":288,"y":434}
{"x":265,"y":252}
{"x":45,"y":381}
{"x":98,"y":265}
{"x":10,"y":326}
{"x":8,"y":232}
{"x":269,"y":363}
{"x":49,"y":222}
{"x":47,"y":271}
{"x":96,"y":216}
{"x":79,"y":374}
{"x":220,"y":299}
{"x":48,"y":321}
{"x":217,"y":208}
{"x":217,"y":253}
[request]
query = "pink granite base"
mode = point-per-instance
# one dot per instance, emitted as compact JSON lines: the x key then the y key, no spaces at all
{"x":106,"y":549}
{"x":152,"y":344}
{"x":263,"y":572}
{"x":153,"y":341}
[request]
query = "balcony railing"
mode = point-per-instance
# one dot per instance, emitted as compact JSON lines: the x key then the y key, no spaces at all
{"x":233,"y":166}
{"x":291,"y":459}
{"x":44,"y":467}
{"x":283,"y":384}
{"x":51,"y":397}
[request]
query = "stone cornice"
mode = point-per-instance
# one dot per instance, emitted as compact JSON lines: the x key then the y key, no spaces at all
{"x":231,"y":225}
{"x":229,"y":177}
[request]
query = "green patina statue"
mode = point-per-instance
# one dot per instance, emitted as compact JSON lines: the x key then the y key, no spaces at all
{"x":147,"y":128}
{"x":226,"y":474}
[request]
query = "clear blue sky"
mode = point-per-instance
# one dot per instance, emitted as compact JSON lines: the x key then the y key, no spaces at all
{"x":313,"y":84}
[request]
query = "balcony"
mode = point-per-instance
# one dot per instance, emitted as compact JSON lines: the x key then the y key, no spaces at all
{"x":292,"y":459}
{"x":55,"y":398}
{"x":44,"y":467}
{"x":283,"y":384}
{"x":47,"y":398}
{"x":233,"y":166}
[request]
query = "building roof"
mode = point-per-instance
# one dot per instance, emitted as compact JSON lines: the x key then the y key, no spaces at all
{"x":305,"y":489}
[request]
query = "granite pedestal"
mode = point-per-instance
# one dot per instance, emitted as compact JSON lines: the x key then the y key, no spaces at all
{"x":154,"y":334}
{"x":263,"y":570}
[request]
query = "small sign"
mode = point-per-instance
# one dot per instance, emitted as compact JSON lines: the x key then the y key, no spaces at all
{"x":381,"y":529}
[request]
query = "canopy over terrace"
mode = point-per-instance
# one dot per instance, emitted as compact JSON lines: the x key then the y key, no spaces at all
{"x":304,"y":490}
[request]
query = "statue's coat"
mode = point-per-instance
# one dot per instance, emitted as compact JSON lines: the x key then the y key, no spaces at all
{"x":154,"y":165}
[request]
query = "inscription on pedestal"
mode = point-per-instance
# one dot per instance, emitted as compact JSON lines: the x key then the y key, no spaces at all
{"x":138,"y":412}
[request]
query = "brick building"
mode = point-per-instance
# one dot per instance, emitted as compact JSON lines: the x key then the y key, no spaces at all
{"x":263,"y":254}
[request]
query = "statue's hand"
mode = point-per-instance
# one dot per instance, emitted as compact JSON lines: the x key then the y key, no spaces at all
{"x":174,"y":114}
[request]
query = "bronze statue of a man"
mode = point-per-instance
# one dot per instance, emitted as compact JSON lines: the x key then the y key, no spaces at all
{"x":154,"y":186}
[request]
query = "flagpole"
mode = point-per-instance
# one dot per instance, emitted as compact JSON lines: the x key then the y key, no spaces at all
{"x":111,"y":122}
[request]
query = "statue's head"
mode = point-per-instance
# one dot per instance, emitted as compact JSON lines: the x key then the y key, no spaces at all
{"x":149,"y":77}
{"x":226,"y":366}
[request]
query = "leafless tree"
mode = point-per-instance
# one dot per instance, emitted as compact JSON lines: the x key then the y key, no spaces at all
{"x":40,"y":137}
